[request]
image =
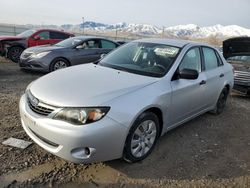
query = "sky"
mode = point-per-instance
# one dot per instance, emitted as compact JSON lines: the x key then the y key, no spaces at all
{"x":157,"y":12}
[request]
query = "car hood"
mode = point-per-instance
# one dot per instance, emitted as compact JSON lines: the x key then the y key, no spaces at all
{"x":86,"y":85}
{"x":239,"y":46}
{"x":44,"y":48}
{"x":10,"y":38}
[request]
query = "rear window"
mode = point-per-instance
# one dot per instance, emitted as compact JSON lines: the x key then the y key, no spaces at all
{"x":107,"y":44}
{"x":58,"y":35}
{"x":210,"y":58}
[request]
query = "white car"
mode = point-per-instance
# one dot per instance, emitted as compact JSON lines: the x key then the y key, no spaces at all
{"x":119,"y":107}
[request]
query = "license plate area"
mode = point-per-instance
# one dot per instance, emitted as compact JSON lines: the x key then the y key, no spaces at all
{"x":28,"y":121}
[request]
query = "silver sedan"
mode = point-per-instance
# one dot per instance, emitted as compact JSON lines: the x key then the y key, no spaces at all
{"x":119,"y":107}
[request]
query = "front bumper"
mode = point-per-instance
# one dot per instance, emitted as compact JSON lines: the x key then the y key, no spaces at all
{"x":105,"y":138}
{"x":34,"y":64}
{"x":2,"y":50}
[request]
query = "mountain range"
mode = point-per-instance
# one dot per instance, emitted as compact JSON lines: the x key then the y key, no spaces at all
{"x":179,"y":31}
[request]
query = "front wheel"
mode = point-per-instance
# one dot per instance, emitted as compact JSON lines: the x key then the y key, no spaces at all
{"x":141,"y":138}
{"x":14,"y":53}
{"x":59,"y":63}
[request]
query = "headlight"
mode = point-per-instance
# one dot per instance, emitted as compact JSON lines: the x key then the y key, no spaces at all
{"x":40,"y":55}
{"x":81,"y":116}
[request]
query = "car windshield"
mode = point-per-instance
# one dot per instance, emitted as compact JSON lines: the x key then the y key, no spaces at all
{"x":70,"y":42}
{"x":142,"y":58}
{"x":27,"y":33}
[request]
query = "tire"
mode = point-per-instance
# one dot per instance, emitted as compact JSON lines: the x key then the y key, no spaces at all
{"x":58,"y":63}
{"x":14,"y":53}
{"x":221,"y":102}
{"x":248,"y":93}
{"x":143,"y":140}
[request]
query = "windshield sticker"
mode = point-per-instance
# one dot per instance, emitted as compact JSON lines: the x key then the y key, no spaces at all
{"x":144,"y":55}
{"x":171,"y":51}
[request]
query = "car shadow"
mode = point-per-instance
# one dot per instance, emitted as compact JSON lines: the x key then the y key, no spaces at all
{"x":209,"y":146}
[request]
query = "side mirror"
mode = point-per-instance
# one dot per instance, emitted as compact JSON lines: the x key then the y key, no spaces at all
{"x":37,"y":37}
{"x":189,"y":74}
{"x":103,"y":55}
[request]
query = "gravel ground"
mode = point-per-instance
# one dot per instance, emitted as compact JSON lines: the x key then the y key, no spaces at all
{"x":209,"y":151}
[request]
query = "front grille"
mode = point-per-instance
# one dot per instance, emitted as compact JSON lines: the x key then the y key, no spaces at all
{"x":40,"y":108}
{"x":241,"y":76}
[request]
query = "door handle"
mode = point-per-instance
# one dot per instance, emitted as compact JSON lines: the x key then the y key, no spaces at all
{"x":203,"y":82}
{"x":221,"y":75}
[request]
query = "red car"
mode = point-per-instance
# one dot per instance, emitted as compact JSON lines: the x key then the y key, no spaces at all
{"x":13,"y":46}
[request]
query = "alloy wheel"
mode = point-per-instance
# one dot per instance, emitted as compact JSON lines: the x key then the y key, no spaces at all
{"x":143,"y":138}
{"x":59,"y":65}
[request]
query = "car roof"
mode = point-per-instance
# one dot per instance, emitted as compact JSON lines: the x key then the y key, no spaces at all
{"x":172,"y":42}
{"x":60,"y":31}
{"x":91,"y":37}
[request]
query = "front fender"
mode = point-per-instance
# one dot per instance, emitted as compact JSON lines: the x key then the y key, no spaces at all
{"x":127,"y":108}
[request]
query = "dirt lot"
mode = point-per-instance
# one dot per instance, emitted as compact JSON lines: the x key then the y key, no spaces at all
{"x":210,"y":151}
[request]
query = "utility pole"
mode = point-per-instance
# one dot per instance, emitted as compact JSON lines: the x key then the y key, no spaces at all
{"x":83,"y":25}
{"x":163,"y":30}
{"x":116,"y":32}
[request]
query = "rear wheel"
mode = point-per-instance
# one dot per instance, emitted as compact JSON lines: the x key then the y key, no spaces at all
{"x":141,"y":138}
{"x":222,"y":100}
{"x":14,"y":53}
{"x":58,"y":63}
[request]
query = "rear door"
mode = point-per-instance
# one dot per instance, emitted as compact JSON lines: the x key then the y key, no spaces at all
{"x":87,"y":52}
{"x":107,"y":46}
{"x":214,"y":73}
{"x":188,"y":95}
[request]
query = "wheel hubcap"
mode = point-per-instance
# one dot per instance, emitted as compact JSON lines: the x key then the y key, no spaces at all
{"x":60,"y":65}
{"x":143,"y":138}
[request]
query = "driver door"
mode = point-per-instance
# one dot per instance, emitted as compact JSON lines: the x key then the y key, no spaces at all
{"x":43,"y":38}
{"x":87,"y":52}
{"x":188,"y":95}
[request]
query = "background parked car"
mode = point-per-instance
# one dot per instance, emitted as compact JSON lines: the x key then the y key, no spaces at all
{"x":72,"y":51}
{"x":13,"y":46}
{"x":237,"y":52}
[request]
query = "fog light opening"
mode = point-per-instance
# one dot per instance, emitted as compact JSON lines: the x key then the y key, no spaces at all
{"x":83,"y":152}
{"x":87,"y":151}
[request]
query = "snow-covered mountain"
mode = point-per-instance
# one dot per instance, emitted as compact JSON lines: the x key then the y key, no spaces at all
{"x":194,"y":31}
{"x":179,"y":31}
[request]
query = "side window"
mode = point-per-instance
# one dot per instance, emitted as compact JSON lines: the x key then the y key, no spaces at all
{"x":191,"y":60}
{"x":220,"y":62}
{"x":107,"y":44}
{"x":91,"y":44}
{"x":210,"y":58}
{"x":44,"y":35}
{"x":58,"y":35}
